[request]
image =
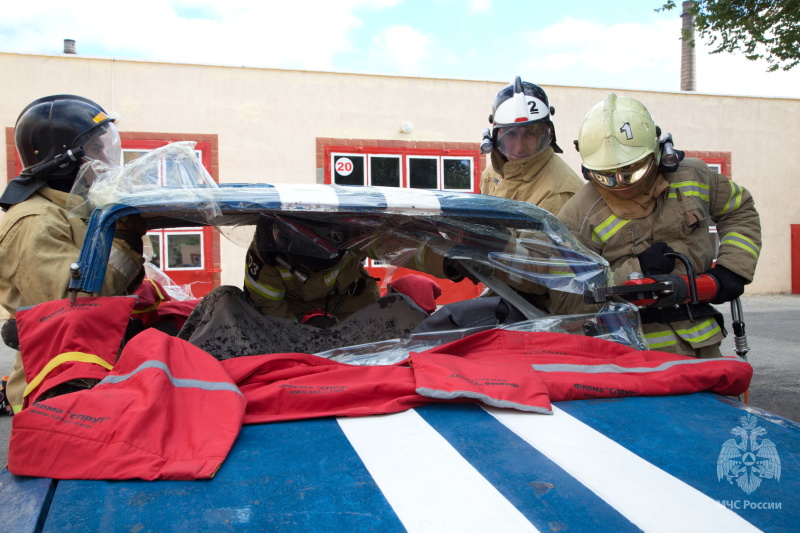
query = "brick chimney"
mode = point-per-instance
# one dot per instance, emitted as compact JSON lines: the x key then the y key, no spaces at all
{"x":688,"y":72}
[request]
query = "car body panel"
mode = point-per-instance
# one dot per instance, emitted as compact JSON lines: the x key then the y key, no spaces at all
{"x":624,"y":464}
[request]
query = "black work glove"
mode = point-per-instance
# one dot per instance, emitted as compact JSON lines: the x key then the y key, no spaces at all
{"x":654,"y":262}
{"x":680,"y":290}
{"x":10,"y":334}
{"x":729,"y":284}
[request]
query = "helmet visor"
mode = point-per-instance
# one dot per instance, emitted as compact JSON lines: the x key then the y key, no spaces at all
{"x":525,"y":140}
{"x":103,"y":144}
{"x":624,"y":177}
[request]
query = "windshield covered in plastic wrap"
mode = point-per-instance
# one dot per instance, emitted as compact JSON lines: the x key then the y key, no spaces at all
{"x":514,"y":248}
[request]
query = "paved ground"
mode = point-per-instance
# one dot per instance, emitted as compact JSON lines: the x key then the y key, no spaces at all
{"x":773,"y":332}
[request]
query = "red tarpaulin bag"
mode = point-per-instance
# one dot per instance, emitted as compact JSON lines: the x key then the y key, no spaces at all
{"x":167,"y":410}
{"x":149,"y":296}
{"x":62,"y":341}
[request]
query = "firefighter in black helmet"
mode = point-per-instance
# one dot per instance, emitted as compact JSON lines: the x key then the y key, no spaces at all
{"x":39,"y":238}
{"x":54,"y":135}
{"x":523,"y":148}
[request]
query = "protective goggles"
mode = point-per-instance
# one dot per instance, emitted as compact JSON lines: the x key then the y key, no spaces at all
{"x":624,"y":177}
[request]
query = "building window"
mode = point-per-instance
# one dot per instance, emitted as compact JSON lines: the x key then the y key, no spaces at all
{"x":384,"y":170}
{"x":423,"y":172}
{"x":412,"y":171}
{"x":457,"y":173}
{"x":350,"y":170}
{"x":184,"y":250}
{"x":185,"y":254}
{"x":446,"y":166}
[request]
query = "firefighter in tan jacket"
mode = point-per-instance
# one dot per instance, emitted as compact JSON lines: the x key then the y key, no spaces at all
{"x":523,"y":150}
{"x":39,"y":238}
{"x":643,"y":201}
{"x":321,"y":278}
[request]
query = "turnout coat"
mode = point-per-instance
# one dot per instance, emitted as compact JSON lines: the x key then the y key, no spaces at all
{"x":697,"y":198}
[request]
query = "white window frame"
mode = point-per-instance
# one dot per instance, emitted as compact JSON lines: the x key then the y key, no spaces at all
{"x":165,"y":249}
{"x":471,"y":172}
{"x":437,"y":158}
{"x":399,"y":158}
{"x":334,"y":155}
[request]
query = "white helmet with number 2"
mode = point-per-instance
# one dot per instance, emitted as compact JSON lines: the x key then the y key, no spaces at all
{"x":522,"y":109}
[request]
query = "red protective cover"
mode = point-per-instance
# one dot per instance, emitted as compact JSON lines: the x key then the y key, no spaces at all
{"x":575,"y":367}
{"x":291,"y":386}
{"x":149,"y":296}
{"x":61,"y":341}
{"x":154,"y":304}
{"x":496,"y":381}
{"x":167,"y":410}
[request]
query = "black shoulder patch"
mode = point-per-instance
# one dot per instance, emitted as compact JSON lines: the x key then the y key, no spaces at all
{"x":254,"y":264}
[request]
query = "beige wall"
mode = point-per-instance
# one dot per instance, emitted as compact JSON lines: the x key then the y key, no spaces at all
{"x":268,"y":120}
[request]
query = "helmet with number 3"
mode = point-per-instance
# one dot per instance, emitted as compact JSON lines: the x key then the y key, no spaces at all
{"x":618,"y":142}
{"x":521,"y":123}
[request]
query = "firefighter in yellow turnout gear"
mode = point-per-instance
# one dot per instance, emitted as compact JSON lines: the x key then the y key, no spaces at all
{"x":306,"y":290}
{"x":39,"y":237}
{"x":293,"y":269}
{"x":642,"y":200}
{"x":523,"y":150}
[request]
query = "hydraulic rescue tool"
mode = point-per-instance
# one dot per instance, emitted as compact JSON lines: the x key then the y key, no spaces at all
{"x":645,"y":293}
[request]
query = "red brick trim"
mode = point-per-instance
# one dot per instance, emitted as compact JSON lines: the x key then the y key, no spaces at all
{"x":721,"y":158}
{"x":11,"y":156}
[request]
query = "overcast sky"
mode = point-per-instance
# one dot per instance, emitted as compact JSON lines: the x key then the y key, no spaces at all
{"x":613,"y":43}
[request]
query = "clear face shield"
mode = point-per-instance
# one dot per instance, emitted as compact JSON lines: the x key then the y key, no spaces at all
{"x":624,"y":177}
{"x":102,"y":144}
{"x":523,"y":141}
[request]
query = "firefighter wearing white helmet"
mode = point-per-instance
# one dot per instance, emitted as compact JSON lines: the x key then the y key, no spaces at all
{"x":522,"y":143}
{"x":644,"y":202}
